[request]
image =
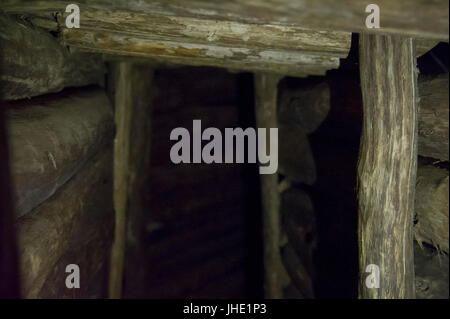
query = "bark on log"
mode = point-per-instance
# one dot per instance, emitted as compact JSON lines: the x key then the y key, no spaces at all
{"x":131,"y":102}
{"x":413,"y":18}
{"x":32,"y":62}
{"x":387,"y":164}
{"x":45,"y":234}
{"x":297,"y":271}
{"x":432,"y":206}
{"x":50,"y":138}
{"x":434,"y":117}
{"x":265,"y":111}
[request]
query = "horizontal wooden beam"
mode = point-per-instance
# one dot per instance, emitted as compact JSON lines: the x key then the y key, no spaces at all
{"x":414,"y":18}
{"x":190,"y":40}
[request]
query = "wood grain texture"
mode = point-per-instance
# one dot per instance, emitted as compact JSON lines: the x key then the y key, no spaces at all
{"x":189,"y":40}
{"x":434,"y":117}
{"x":45,"y":234}
{"x":51,"y":138}
{"x":432,"y":206}
{"x":266,"y":117}
{"x":32,"y":62}
{"x":132,"y":86}
{"x":387,"y":164}
{"x":425,"y":19}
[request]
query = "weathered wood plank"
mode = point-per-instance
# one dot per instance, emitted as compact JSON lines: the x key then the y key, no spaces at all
{"x":387,"y":164}
{"x":195,"y":41}
{"x":266,"y":117}
{"x":131,"y":103}
{"x":434,"y":117}
{"x":412,"y":18}
{"x":32,"y":62}
{"x":45,"y":234}
{"x":50,"y":138}
{"x":432,"y":207}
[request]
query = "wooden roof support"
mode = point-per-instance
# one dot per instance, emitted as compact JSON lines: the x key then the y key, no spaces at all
{"x":415,"y":18}
{"x":266,"y":88}
{"x":132,"y":86}
{"x":387,"y":165}
{"x":190,"y":40}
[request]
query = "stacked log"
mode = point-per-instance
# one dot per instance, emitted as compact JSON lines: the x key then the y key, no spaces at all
{"x":432,"y":207}
{"x":61,"y":157}
{"x":33,"y":63}
{"x":51,"y":138}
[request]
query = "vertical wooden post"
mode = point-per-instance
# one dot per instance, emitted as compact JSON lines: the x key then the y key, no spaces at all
{"x":387,"y":165}
{"x":131,"y":107}
{"x":266,"y":117}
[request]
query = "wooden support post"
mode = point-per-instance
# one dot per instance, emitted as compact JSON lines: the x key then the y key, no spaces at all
{"x":387,"y":165}
{"x":131,"y":101}
{"x":266,"y":117}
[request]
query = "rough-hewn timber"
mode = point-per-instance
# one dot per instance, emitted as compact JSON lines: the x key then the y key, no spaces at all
{"x":432,"y":205}
{"x":433,"y":117}
{"x":422,"y":19}
{"x":50,"y":138}
{"x":266,"y":117}
{"x":45,"y":234}
{"x":191,"y":40}
{"x":307,"y":108}
{"x":387,"y":164}
{"x":32,"y":62}
{"x":131,"y":107}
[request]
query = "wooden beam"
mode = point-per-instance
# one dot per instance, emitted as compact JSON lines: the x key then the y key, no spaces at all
{"x":184,"y":39}
{"x":387,"y":164}
{"x":266,"y":88}
{"x":131,"y":102}
{"x":32,"y":62}
{"x":415,"y":18}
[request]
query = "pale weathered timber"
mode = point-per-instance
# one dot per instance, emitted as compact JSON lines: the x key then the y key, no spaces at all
{"x":434,"y":117}
{"x":422,"y":19}
{"x":387,"y":164}
{"x":50,"y":138}
{"x":266,"y":88}
{"x":295,"y":157}
{"x":131,"y":155}
{"x":432,"y":206}
{"x":299,"y":222}
{"x":307,"y":108}
{"x":194,"y":41}
{"x":45,"y":234}
{"x":300,"y":277}
{"x":32,"y":62}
